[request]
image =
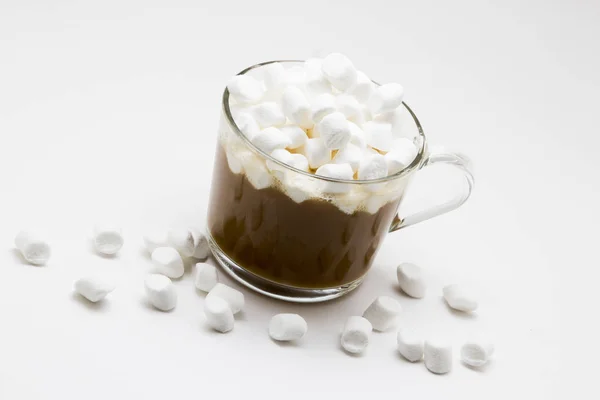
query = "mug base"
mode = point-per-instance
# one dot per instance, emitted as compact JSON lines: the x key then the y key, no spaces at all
{"x":273,"y":289}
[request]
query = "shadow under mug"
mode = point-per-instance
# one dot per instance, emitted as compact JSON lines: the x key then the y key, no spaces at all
{"x":295,"y":236}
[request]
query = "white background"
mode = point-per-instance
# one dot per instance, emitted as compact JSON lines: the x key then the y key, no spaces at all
{"x":109,"y":110}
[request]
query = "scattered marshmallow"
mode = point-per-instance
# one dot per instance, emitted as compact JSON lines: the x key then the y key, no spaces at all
{"x":363,"y":88}
{"x":336,"y":171}
{"x":379,"y":135}
{"x":460,"y":298}
{"x":357,"y":135}
{"x":247,"y":124}
{"x":201,"y":247}
{"x":268,"y":114}
{"x":402,"y":153}
{"x":315,"y":81}
{"x":383,"y":313}
{"x":156,"y":238}
{"x":476,"y":353}
{"x":386,"y":98}
{"x":161,"y":292}
{"x":350,"y":107}
{"x":287,"y":327}
{"x":296,"y":107}
{"x":107,"y":239}
{"x":334,"y":130}
{"x":168,"y":262}
{"x":296,"y":135}
{"x":322,"y":106}
{"x":93,"y":289}
{"x":316,"y":152}
{"x":233,"y":297}
{"x":270,"y":139}
{"x":218,"y":314}
{"x":245,"y":89}
{"x":182,"y":240}
{"x":206,"y":277}
{"x":411,"y":280}
{"x":350,"y":154}
{"x":438,"y":356}
{"x":35,"y":250}
{"x":372,"y":166}
{"x":339,"y":71}
{"x":410,"y":345}
{"x":356,"y":334}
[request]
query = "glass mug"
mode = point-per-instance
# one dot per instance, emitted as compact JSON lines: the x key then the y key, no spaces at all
{"x":295,"y":236}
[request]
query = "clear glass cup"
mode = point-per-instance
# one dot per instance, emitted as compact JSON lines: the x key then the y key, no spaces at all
{"x":295,"y":236}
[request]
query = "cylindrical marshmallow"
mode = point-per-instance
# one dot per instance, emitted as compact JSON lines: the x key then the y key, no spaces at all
{"x":296,"y":135}
{"x":363,"y":88}
{"x":182,"y":240}
{"x":168,"y":262}
{"x":287,"y":327}
{"x":93,"y":289}
{"x":410,"y":345}
{"x":334,"y":130}
{"x":268,"y":114}
{"x":218,"y":314}
{"x":386,"y":98}
{"x":357,"y":135}
{"x":107,"y":239}
{"x":156,"y":238}
{"x":372,"y":166}
{"x":316,"y":152}
{"x":270,"y":139}
{"x":35,"y":250}
{"x":476,"y":352}
{"x":335,"y":171}
{"x":247,"y":124}
{"x":411,"y":280}
{"x":161,"y":292}
{"x":206,"y":277}
{"x":379,"y":135}
{"x":233,"y":297}
{"x":245,"y":89}
{"x":322,"y":105}
{"x":201,"y":247}
{"x":339,"y":71}
{"x":383,"y":313}
{"x":296,"y":107}
{"x":356,"y":334}
{"x":438,"y":356}
{"x":460,"y":298}
{"x":315,"y":82}
{"x":350,"y":154}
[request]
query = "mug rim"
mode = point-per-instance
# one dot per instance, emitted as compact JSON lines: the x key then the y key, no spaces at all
{"x":414,"y":165}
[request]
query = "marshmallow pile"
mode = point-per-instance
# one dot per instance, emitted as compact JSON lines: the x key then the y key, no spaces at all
{"x":324,"y":117}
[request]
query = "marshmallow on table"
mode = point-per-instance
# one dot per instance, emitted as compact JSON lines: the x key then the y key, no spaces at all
{"x":315,"y":82}
{"x":410,"y":278}
{"x":245,"y":89}
{"x":363,"y":88}
{"x":107,"y":239}
{"x":233,"y":297}
{"x":476,"y":353}
{"x":247,"y":124}
{"x":350,"y":154}
{"x":372,"y":166}
{"x":410,"y":345}
{"x":296,"y":107}
{"x":287,"y":327}
{"x":93,"y":289}
{"x":34,"y":250}
{"x":357,"y":135}
{"x":402,"y":153}
{"x":356,"y":334}
{"x":460,"y":298}
{"x":379,"y":135}
{"x":155,"y":239}
{"x":218,"y":314}
{"x":268,"y":114}
{"x":336,"y":171}
{"x":339,"y":71}
{"x":438,"y":356}
{"x":322,"y":105}
{"x":316,"y":152}
{"x":206,"y":277}
{"x":386,"y":98}
{"x":296,"y":135}
{"x":182,"y":240}
{"x":201,"y":248}
{"x":334,"y":130}
{"x":167,"y":261}
{"x":160,"y":292}
{"x":270,"y":139}
{"x":383,"y":313}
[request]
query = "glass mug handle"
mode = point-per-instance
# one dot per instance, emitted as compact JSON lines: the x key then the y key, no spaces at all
{"x":440,"y":157}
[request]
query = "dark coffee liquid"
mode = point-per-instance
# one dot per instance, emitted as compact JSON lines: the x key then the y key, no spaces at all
{"x":309,"y":245}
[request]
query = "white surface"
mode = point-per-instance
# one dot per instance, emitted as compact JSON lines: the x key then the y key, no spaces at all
{"x":512,"y":84}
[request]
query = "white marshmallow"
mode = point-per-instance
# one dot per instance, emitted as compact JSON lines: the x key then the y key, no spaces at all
{"x":160,"y":292}
{"x":201,"y":248}
{"x":350,"y":107}
{"x":334,"y":130}
{"x":438,"y":356}
{"x":316,"y":153}
{"x":206,"y":277}
{"x":295,"y":76}
{"x":247,"y":124}
{"x":218,"y":314}
{"x":182,"y":240}
{"x":257,"y":173}
{"x":93,"y":289}
{"x":287,"y":327}
{"x":402,"y":153}
{"x":339,"y":71}
{"x":411,"y":280}
{"x":410,"y":345}
{"x":363,"y":88}
{"x":386,"y":98}
{"x":383,"y":313}
{"x":357,"y":135}
{"x":349,"y":154}
{"x":245,"y":89}
{"x":35,"y":250}
{"x":460,"y":298}
{"x":336,"y":171}
{"x":299,"y":161}
{"x":379,"y":135}
{"x":233,"y":161}
{"x":274,"y":77}
{"x":107,"y":239}
{"x":476,"y":353}
{"x":270,"y":139}
{"x":233,"y":297}
{"x":398,"y":118}
{"x":321,"y":106}
{"x":372,"y":166}
{"x":315,"y":81}
{"x":356,"y":334}
{"x":296,"y":135}
{"x":168,"y":262}
{"x":268,"y":114}
{"x":156,"y":238}
{"x":294,"y":160}
{"x":296,"y":107}
{"x":300,"y":188}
